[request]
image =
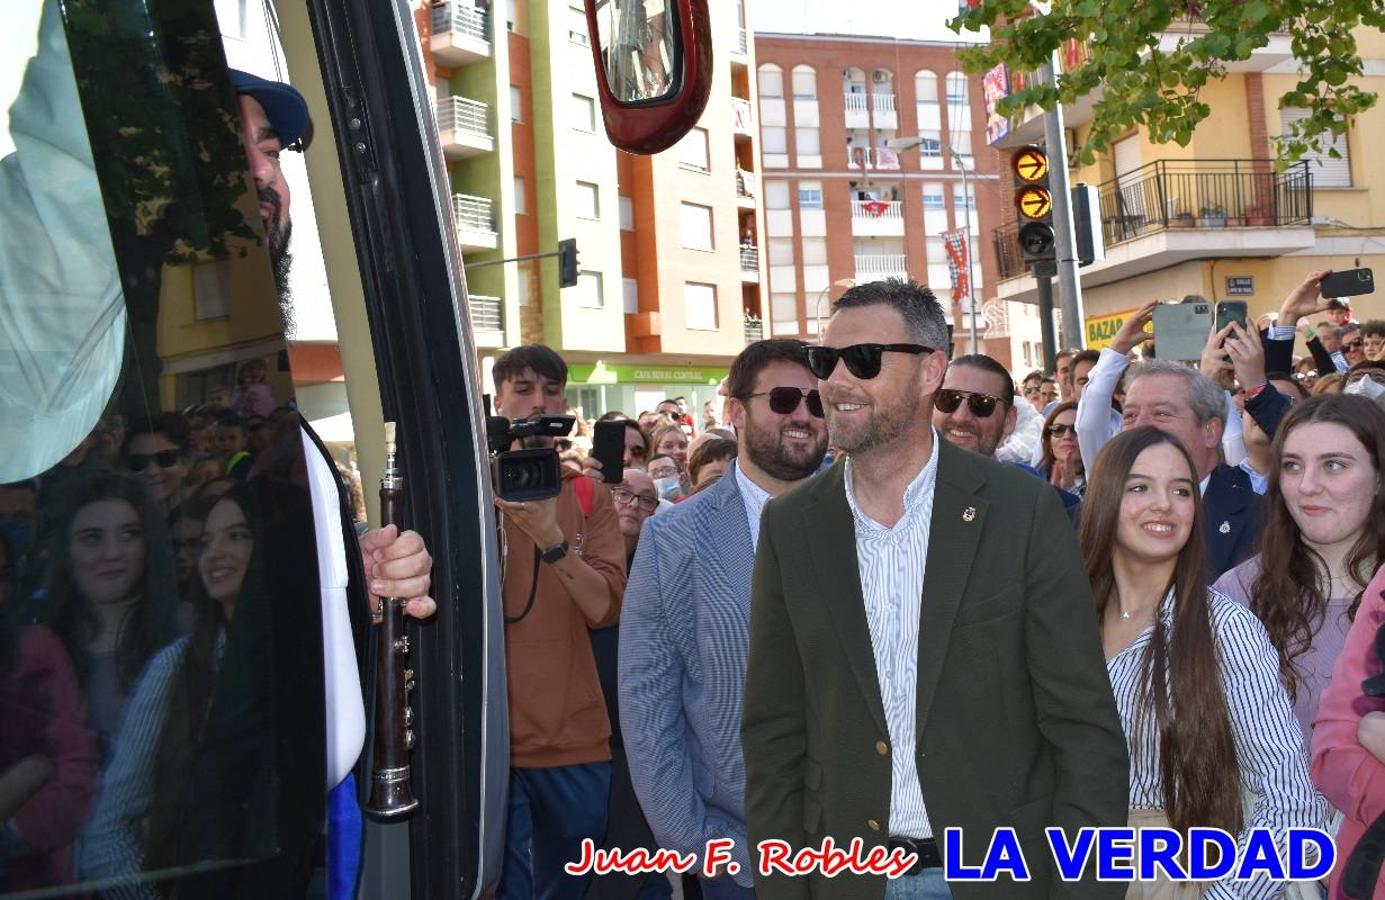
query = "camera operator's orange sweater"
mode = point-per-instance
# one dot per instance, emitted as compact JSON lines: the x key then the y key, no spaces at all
{"x":557,"y":714}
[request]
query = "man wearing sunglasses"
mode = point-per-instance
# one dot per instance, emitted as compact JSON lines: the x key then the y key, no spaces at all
{"x":157,"y":451}
{"x":924,"y":651}
{"x":972,"y":412}
{"x":683,"y":629}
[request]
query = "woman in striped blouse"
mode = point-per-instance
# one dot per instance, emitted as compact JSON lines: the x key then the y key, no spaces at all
{"x":1212,"y":736}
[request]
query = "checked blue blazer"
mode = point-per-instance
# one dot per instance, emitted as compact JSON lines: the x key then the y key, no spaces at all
{"x":684,"y":633}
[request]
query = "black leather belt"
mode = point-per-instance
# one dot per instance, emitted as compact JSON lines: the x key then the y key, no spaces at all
{"x":926,"y":848}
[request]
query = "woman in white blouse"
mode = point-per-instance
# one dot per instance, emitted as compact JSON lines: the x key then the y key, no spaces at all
{"x":1212,"y":736}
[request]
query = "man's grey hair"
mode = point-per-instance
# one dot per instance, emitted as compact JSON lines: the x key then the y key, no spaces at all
{"x":916,"y":304}
{"x":1206,"y":399}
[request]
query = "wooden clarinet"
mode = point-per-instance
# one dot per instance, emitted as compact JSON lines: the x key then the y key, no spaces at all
{"x":391,"y":794}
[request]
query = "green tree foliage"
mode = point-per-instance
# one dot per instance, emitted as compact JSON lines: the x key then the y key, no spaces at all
{"x":1137,"y":79}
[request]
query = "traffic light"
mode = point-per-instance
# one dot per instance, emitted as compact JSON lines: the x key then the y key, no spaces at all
{"x":567,"y":263}
{"x":1033,"y":204}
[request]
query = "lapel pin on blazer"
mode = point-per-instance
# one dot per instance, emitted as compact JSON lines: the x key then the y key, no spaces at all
{"x":1225,"y":527}
{"x":969,"y":514}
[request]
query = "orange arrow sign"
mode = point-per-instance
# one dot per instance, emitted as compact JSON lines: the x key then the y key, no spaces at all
{"x":1034,"y":203}
{"x":1031,"y":164}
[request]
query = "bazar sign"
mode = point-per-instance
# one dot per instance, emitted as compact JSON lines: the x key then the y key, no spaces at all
{"x":603,"y":373}
{"x":1101,"y":329}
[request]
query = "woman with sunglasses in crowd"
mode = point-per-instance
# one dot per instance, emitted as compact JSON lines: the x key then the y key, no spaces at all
{"x":111,"y":594}
{"x":1211,"y":732}
{"x":1062,"y":462}
{"x":1324,"y":537}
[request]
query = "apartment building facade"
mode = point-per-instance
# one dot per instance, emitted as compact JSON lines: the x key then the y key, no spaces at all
{"x":668,"y":245}
{"x":843,"y":207}
{"x":1217,"y":217}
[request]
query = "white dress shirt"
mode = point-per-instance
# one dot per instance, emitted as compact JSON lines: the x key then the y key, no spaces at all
{"x":754,"y":497}
{"x":892,"y":567}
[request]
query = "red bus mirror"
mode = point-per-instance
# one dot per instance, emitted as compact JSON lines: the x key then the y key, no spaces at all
{"x":654,"y":69}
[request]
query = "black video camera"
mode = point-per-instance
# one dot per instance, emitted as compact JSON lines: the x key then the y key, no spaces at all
{"x":532,"y":474}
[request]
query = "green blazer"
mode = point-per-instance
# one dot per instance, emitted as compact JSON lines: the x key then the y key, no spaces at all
{"x":1016,"y":722}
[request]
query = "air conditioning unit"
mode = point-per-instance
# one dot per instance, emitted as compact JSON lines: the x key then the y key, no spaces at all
{"x":880,"y":76}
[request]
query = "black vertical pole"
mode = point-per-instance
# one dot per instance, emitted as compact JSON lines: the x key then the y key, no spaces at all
{"x":1043,"y":276}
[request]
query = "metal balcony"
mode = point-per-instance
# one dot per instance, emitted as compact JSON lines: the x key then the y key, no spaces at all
{"x":463,"y":127}
{"x":750,"y":263}
{"x":754,"y":330}
{"x":461,"y":34}
{"x":475,"y":221}
{"x":1173,"y":211}
{"x":877,"y":218}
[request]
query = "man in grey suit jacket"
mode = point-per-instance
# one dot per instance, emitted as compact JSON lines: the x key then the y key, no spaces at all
{"x":924,"y":650}
{"x":683,"y":627}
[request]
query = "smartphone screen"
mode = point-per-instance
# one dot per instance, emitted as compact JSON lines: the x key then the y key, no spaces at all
{"x":608,"y":448}
{"x":1229,"y":311}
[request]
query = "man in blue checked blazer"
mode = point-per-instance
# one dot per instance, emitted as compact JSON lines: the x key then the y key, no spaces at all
{"x":686,"y":616}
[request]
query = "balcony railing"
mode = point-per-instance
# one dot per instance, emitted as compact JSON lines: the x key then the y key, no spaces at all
{"x":750,"y":259}
{"x":1169,"y":194}
{"x":877,"y":209}
{"x":473,"y":213}
{"x":742,"y":121}
{"x":462,"y":18}
{"x":855,"y":101}
{"x":882,"y":103}
{"x":745,"y":183}
{"x":487,"y":313}
{"x":754,"y":330}
{"x":464,"y":115}
{"x":875,"y":266}
{"x":742,"y":45}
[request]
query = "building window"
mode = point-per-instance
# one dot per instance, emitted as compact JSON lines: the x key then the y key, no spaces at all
{"x":696,"y":226}
{"x":627,"y":214}
{"x":781,"y":251}
{"x":963,"y":199}
{"x":771,"y":81}
{"x":700,"y":306}
{"x":631,"y":289}
{"x":1327,"y":172}
{"x":961,"y":141}
{"x":692,"y":151}
{"x":577,"y":27}
{"x":776,"y":195}
{"x":516,"y":104}
{"x":774,"y":139}
{"x":521,"y":202}
{"x":588,"y":200}
{"x":511,"y":14}
{"x":814,"y":251}
{"x":524,"y":288}
{"x":583,"y":113}
{"x":589,"y":291}
{"x":810,"y":195}
{"x":956,"y":89}
{"x":933,"y":196}
{"x":805,"y":83}
{"x":806,"y":141}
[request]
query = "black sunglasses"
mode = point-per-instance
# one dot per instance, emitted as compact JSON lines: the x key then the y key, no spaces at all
{"x":981,"y":405}
{"x":1060,"y":430}
{"x":1354,"y":345}
{"x":785,"y":400}
{"x":636,"y":452}
{"x":138,"y":462}
{"x":862,"y":360}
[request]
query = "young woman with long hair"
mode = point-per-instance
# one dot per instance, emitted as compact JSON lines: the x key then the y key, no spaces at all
{"x":145,"y":795}
{"x":1062,"y":461}
{"x":112,"y":591}
{"x":1323,"y":539}
{"x":1212,"y":736}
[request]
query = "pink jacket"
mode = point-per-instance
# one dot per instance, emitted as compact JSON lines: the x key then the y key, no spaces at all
{"x":1348,"y":775}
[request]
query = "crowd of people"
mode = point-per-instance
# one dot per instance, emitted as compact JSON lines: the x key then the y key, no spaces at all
{"x":1180,"y":639}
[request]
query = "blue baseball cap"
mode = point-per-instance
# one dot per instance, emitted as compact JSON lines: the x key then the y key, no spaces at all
{"x":283,"y":104}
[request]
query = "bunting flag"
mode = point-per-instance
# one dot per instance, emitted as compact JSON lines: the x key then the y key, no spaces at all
{"x":955,"y":242}
{"x":874,"y":208}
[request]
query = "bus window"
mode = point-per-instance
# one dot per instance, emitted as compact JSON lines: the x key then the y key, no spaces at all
{"x":161,"y":661}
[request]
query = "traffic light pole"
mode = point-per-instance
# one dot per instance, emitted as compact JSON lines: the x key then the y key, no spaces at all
{"x":1065,"y":243}
{"x":1043,"y":276}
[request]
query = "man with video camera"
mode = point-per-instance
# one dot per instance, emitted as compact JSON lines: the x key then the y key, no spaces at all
{"x":564,"y":573}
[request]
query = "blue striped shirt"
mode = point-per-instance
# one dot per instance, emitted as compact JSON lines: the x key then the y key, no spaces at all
{"x":1269,"y":744}
{"x":891,"y":563}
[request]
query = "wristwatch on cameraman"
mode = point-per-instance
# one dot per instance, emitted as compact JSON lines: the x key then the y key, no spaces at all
{"x":554,"y":553}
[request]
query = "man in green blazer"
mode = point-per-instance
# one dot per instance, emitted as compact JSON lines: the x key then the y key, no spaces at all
{"x":924,"y":651}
